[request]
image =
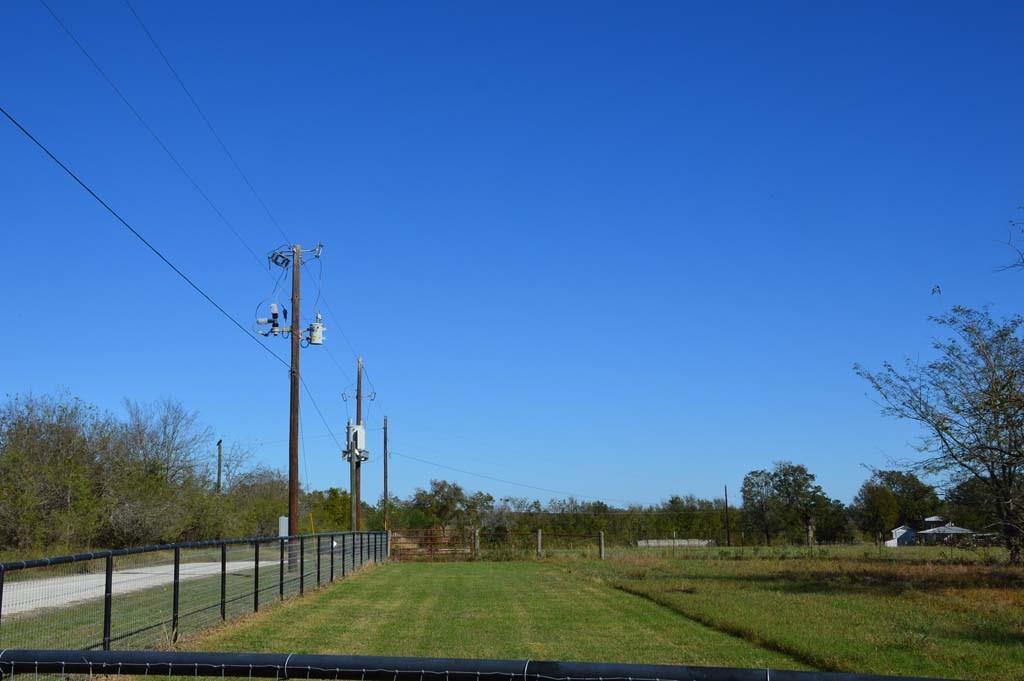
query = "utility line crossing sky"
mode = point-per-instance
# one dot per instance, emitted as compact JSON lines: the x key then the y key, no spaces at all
{"x":621,"y":251}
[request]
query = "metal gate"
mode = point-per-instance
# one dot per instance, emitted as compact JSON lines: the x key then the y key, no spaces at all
{"x":434,"y":544}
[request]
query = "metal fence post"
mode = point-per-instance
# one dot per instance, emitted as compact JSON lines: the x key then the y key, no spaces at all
{"x":1,"y":593}
{"x":280,"y":572}
{"x":256,"y":578}
{"x":387,"y":546}
{"x":177,"y":594}
{"x":354,"y":535}
{"x":318,"y":550}
{"x":332,"y":558}
{"x":302,"y":565}
{"x":223,"y":581}
{"x":540,"y":544}
{"x":108,"y":598}
{"x":600,"y":543}
{"x":476,"y":543}
{"x":343,"y":556}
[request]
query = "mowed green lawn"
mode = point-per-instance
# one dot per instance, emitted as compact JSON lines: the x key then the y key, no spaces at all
{"x":845,"y":613}
{"x":488,"y":610}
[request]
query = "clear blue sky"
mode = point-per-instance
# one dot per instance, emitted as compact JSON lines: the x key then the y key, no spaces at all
{"x":621,"y":250}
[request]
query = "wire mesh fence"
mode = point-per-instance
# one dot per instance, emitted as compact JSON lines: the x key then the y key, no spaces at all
{"x":148,"y":597}
{"x":454,"y":544}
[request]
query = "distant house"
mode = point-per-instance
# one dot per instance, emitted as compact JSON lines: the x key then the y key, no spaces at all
{"x":938,"y":532}
{"x":902,"y":536}
{"x":943,"y":533}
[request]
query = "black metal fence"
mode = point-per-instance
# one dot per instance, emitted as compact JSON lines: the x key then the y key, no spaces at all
{"x":146,"y":597}
{"x":280,"y":666}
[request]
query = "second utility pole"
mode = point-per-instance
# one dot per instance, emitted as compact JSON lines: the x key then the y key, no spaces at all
{"x":293,"y":420}
{"x":385,"y":473}
{"x":355,"y":462}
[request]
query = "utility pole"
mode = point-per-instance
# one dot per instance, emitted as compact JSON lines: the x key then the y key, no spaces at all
{"x":293,"y":420}
{"x":728,"y":534}
{"x":312,"y":335}
{"x":386,"y":504}
{"x":358,"y":482}
{"x":355,"y":452}
{"x":220,"y":464}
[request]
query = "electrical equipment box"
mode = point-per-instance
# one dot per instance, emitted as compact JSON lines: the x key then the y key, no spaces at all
{"x":356,"y":438}
{"x":316,"y":331}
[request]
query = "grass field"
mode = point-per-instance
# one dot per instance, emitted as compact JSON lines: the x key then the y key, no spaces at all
{"x":498,"y":610}
{"x":906,"y":616}
{"x":909,"y":615}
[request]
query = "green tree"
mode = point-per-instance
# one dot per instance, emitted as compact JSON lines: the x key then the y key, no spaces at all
{"x":875,"y":509}
{"x":759,"y":505}
{"x":915,"y":499}
{"x":797,"y":497}
{"x":969,"y":403}
{"x":444,"y":502}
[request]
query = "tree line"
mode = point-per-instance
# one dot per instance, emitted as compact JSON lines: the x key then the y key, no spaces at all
{"x":73,"y":476}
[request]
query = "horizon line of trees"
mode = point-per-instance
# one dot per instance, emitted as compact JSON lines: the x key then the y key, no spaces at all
{"x":73,"y":476}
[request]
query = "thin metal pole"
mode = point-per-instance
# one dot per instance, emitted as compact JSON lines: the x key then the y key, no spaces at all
{"x":386,"y":500}
{"x":343,"y":556}
{"x":1,"y":593}
{"x":108,"y":599}
{"x":302,"y":565}
{"x":318,"y":549}
{"x":600,"y":543}
{"x":332,"y":557}
{"x":223,"y":581}
{"x":177,"y":594}
{"x":280,"y":572}
{"x":354,"y":551}
{"x":256,"y":579}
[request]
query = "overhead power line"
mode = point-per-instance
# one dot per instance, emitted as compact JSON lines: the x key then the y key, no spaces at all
{"x":153,"y":134}
{"x":206,"y":120}
{"x":241,"y":173}
{"x":139,"y":236}
{"x":508,"y":482}
{"x":166,"y":261}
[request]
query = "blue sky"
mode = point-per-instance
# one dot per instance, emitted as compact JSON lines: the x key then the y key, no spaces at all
{"x":624,"y":251}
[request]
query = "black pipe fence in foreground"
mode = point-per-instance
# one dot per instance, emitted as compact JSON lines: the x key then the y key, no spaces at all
{"x":362,"y":668}
{"x":146,"y":597}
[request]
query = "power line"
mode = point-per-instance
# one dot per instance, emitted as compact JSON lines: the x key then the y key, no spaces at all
{"x":238,"y":169}
{"x":502,"y":480}
{"x":316,"y":406}
{"x":139,"y":236}
{"x":152,"y":133}
{"x":206,"y":120}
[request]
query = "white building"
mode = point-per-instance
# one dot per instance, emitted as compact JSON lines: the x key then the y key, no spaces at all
{"x":902,"y":536}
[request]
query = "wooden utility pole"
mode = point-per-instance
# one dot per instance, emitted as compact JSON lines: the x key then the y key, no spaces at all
{"x":728,"y":534}
{"x":386,"y":504}
{"x":293,"y":420}
{"x":357,"y":485}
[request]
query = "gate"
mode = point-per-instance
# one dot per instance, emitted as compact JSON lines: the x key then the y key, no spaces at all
{"x":434,"y":544}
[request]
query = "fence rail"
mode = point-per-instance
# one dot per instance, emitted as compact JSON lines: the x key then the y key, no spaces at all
{"x":363,"y":668}
{"x":148,"y":596}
